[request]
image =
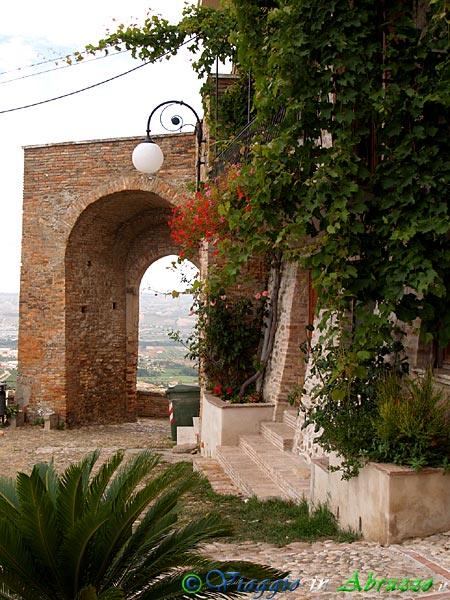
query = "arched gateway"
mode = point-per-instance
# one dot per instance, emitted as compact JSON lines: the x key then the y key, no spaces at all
{"x":91,"y":227}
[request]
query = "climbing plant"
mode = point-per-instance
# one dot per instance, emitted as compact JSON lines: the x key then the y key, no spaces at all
{"x":367,"y":212}
{"x":206,"y":33}
{"x":353,"y":181}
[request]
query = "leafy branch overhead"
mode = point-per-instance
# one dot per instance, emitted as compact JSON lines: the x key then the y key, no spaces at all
{"x":368,"y":213}
{"x":205,"y":31}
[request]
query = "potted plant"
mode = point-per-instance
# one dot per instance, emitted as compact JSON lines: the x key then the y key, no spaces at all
{"x":12,"y":410}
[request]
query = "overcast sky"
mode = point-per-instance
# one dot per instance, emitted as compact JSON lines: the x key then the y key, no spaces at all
{"x":35,"y":32}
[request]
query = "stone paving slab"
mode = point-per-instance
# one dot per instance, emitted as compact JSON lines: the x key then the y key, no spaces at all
{"x":324,"y":567}
{"x":312,"y":563}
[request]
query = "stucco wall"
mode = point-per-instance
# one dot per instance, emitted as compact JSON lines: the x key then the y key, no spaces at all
{"x":385,"y":502}
{"x":222,"y":423}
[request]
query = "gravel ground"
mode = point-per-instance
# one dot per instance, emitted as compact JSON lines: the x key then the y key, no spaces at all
{"x":321,"y":568}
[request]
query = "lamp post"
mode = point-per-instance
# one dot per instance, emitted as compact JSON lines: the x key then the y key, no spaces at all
{"x":148,"y":156}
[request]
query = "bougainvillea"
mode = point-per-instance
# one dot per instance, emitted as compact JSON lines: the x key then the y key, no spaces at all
{"x":197,"y":221}
{"x":203,"y":217}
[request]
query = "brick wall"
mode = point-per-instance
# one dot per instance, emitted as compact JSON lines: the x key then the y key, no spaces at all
{"x":152,"y":404}
{"x":287,"y":367}
{"x":91,"y":227}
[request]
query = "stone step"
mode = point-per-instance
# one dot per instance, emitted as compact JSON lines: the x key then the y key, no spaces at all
{"x":290,"y":417}
{"x":279,"y":434}
{"x":246,"y":475}
{"x":291,"y":473}
{"x":322,"y":462}
{"x":220,"y":482}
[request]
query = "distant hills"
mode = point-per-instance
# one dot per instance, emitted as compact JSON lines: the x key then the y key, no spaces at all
{"x":9,"y":318}
{"x":9,"y":305}
{"x":156,"y":314}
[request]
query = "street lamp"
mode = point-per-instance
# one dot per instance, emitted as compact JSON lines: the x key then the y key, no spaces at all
{"x":148,"y":156}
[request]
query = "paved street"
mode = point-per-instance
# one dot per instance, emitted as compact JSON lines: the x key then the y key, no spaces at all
{"x":321,"y":567}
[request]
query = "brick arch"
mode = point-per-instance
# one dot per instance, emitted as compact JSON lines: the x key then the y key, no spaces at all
{"x":146,"y":250}
{"x":163,"y":194}
{"x":113,"y":242}
{"x":91,"y":226}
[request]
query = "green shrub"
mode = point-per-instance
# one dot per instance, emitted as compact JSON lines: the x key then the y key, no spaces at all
{"x":412,"y":425}
{"x":379,"y":414}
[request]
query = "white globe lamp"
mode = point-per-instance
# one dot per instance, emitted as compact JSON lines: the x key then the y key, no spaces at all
{"x":148,"y":157}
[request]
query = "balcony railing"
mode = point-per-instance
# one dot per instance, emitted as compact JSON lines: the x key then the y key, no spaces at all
{"x":240,"y":149}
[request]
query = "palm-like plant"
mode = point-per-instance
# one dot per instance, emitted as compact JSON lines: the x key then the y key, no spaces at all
{"x":105,"y":536}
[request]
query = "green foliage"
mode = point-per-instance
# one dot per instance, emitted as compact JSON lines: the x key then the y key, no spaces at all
{"x":412,"y":424}
{"x":343,"y":411}
{"x":202,"y":29}
{"x":384,"y":416}
{"x":279,"y":522}
{"x":205,"y":32}
{"x":108,"y":535}
{"x":228,"y":114}
{"x":12,"y":410}
{"x":325,"y":64}
{"x":226,"y":341}
{"x":272,"y":521}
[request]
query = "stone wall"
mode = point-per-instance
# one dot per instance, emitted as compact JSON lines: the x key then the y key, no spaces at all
{"x":92,"y":225}
{"x":152,"y":404}
{"x":286,"y":368}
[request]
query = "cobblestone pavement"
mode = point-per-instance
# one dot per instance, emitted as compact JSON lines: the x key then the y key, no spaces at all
{"x":321,"y":567}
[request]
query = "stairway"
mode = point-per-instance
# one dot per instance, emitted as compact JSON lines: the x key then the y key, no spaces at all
{"x":263,"y":465}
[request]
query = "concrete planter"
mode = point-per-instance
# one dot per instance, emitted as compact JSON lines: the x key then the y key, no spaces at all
{"x":386,"y":503}
{"x":222,"y":423}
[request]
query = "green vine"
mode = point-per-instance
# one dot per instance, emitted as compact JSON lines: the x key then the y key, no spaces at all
{"x":228,"y":114}
{"x":368,"y":214}
{"x":353,"y":180}
{"x":204,"y":30}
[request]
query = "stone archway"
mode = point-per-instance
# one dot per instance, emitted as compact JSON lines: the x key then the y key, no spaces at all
{"x":89,"y":234}
{"x":112,"y":244}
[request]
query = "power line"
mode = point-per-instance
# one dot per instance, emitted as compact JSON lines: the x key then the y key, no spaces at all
{"x":42,"y":62}
{"x":90,"y":87}
{"x":56,"y":68}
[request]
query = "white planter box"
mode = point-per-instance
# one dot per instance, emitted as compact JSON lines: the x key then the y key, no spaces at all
{"x":222,"y":423}
{"x":385,"y":502}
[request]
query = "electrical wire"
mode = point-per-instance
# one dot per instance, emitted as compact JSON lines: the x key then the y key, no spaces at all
{"x":43,"y":62}
{"x":90,"y":87}
{"x":56,"y":68}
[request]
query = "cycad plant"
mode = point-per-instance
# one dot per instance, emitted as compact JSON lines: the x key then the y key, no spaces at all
{"x":106,"y":535}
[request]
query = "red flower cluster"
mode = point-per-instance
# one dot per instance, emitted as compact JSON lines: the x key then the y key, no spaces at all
{"x":198,"y":220}
{"x":219,"y":391}
{"x":203,"y":217}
